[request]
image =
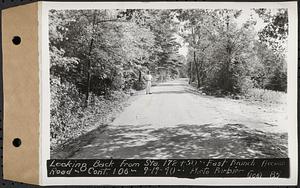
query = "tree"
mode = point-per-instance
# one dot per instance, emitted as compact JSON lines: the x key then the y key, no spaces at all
{"x":200,"y":35}
{"x":274,"y":37}
{"x":219,"y":51}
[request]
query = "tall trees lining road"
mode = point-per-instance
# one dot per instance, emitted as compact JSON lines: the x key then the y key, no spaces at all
{"x":104,"y":50}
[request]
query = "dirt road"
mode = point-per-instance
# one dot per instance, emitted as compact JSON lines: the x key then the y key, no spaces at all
{"x":176,"y":121}
{"x":175,"y":103}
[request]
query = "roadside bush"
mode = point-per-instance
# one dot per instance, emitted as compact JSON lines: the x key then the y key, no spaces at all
{"x":65,"y":106}
{"x":244,"y":85}
{"x":265,"y":95}
{"x":69,"y":116}
{"x":278,"y":81}
{"x":138,"y":85}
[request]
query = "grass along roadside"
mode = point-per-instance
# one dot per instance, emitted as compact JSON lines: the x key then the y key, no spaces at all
{"x":252,"y":95}
{"x":268,"y":96}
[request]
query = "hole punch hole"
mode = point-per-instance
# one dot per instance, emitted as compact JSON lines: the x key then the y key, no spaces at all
{"x":17,"y":142}
{"x":16,"y":40}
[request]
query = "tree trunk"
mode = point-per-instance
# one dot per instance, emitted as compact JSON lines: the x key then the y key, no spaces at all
{"x":89,"y":75}
{"x":197,"y":70}
{"x":202,"y":73}
{"x":191,"y":72}
{"x":228,"y":76}
{"x":228,"y":85}
{"x":140,"y":76}
{"x":89,"y":63}
{"x":198,"y":77}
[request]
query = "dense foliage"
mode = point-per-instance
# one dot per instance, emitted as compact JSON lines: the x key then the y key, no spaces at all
{"x":230,"y":58}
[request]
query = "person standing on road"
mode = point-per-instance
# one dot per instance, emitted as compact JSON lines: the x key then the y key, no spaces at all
{"x":148,"y":78}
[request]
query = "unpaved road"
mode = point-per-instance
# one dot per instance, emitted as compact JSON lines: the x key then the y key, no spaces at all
{"x":175,"y":103}
{"x":176,"y":121}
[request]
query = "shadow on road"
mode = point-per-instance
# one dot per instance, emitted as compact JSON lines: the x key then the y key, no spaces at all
{"x":182,"y":141}
{"x":186,"y":90}
{"x":169,"y":92}
{"x":175,"y":84}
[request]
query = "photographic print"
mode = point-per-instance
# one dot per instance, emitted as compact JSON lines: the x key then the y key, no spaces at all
{"x":168,"y":83}
{"x":180,"y":93}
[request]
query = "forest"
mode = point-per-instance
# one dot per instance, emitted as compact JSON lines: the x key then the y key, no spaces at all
{"x":98,"y":58}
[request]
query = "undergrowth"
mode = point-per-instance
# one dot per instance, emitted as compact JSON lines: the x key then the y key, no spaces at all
{"x":70,"y":117}
{"x":268,"y":96}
